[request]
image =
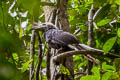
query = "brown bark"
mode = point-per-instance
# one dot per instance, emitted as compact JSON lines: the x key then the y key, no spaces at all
{"x":32,"y":51}
{"x":90,"y":27}
{"x":39,"y":57}
{"x":86,"y":50}
{"x":62,"y":15}
{"x":50,"y":14}
{"x":48,"y":64}
{"x":58,"y":14}
{"x":90,"y":35}
{"x":63,"y":20}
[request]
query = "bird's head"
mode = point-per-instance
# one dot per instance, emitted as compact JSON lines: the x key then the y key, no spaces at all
{"x":43,"y":26}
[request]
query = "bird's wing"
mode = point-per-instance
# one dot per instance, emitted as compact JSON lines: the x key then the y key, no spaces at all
{"x":64,"y":38}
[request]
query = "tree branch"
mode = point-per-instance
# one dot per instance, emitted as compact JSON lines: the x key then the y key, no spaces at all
{"x":32,"y":51}
{"x":39,"y":56}
{"x":91,"y":41}
{"x":48,"y":73}
{"x":90,"y":27}
{"x":71,"y":53}
{"x":93,"y":51}
{"x":97,"y":12}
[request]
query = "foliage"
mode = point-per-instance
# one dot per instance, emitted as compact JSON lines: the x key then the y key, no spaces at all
{"x":16,"y":17}
{"x":26,"y":65}
{"x":109,"y":71}
{"x":109,"y":44}
{"x":64,"y":70}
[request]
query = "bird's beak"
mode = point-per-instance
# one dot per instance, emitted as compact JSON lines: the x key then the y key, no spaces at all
{"x":39,"y":27}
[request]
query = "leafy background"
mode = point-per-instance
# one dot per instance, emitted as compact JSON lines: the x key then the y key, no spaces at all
{"x":16,"y":17}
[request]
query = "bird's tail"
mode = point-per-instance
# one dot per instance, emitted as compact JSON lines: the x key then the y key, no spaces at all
{"x":83,"y":47}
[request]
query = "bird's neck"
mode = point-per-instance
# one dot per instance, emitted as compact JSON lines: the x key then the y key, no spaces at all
{"x":48,"y":31}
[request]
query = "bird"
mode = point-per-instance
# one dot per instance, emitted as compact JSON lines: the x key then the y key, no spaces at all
{"x":57,"y":39}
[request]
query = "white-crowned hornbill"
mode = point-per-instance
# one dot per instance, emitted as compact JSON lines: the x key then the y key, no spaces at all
{"x":56,"y":38}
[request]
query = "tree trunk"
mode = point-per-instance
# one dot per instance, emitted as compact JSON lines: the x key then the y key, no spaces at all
{"x":91,"y":41}
{"x":58,"y":16}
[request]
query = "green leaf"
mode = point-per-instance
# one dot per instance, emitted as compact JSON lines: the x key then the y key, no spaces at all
{"x":64,"y":70}
{"x":83,"y":27}
{"x":106,"y":67}
{"x":43,"y":63}
{"x":109,"y":44}
{"x":44,"y":77}
{"x":76,"y":58}
{"x":88,"y":77}
{"x":104,"y":22}
{"x":99,"y":3}
{"x":47,"y":4}
{"x":28,"y":4}
{"x":95,"y":76}
{"x":89,"y":2}
{"x":117,"y":62}
{"x":10,"y":42}
{"x":107,"y":75}
{"x":118,"y":41}
{"x":15,"y":56}
{"x":103,"y":12}
{"x":26,"y":65}
{"x":96,"y":72}
{"x":118,"y":2}
{"x":20,"y":31}
{"x":118,"y":32}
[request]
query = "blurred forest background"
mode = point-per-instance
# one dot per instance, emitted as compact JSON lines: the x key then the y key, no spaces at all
{"x":17,"y":17}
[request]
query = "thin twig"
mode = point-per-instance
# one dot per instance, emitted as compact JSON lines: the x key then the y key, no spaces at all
{"x":90,"y":35}
{"x":39,"y":56}
{"x":92,"y":51}
{"x":2,"y":14}
{"x":90,"y":27}
{"x":48,"y":64}
{"x":78,"y":73}
{"x":32,"y":51}
{"x":97,"y":12}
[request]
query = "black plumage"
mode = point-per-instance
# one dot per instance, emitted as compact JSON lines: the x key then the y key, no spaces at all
{"x":59,"y":39}
{"x":56,"y":38}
